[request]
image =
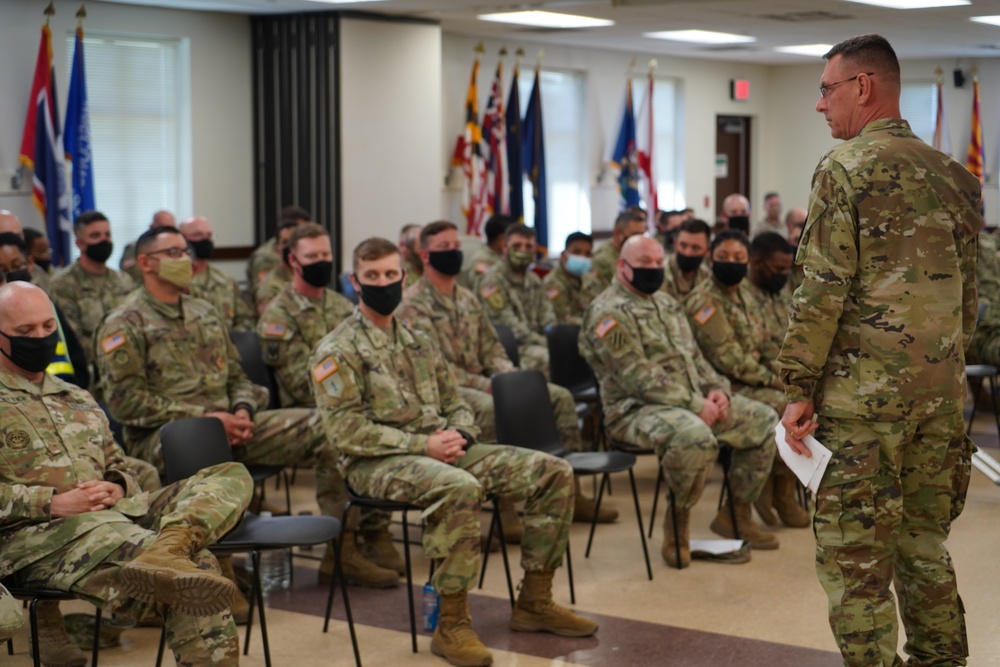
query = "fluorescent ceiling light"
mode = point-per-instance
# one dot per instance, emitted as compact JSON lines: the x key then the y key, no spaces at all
{"x":700,"y":37}
{"x":991,"y":20}
{"x":805,"y":49}
{"x":913,"y":4}
{"x":540,"y":19}
{"x":343,"y":2}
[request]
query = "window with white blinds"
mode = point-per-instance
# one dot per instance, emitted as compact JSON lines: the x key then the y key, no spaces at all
{"x":918,"y":105}
{"x":137,"y":92}
{"x":565,"y":126}
{"x":666,"y":123}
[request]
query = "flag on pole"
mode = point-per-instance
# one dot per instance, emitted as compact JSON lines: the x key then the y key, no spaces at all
{"x":644,"y":148}
{"x":974,"y":158}
{"x":42,"y":151}
{"x":515,"y":172}
{"x":495,"y":145}
{"x":468,"y":153}
{"x":534,"y":161}
{"x":624,"y":156}
{"x":942,"y":140}
{"x":77,"y":138}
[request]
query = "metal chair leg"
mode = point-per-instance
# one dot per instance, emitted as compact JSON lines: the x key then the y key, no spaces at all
{"x":494,"y":520}
{"x":259,"y":586}
{"x":163,"y":645}
{"x":569,"y":573}
{"x":597,"y":509}
{"x":97,"y":638}
{"x":656,"y":499}
{"x":409,"y":582}
{"x":33,"y":621}
{"x":503,"y":552}
{"x":638,"y":519}
{"x":677,"y":535}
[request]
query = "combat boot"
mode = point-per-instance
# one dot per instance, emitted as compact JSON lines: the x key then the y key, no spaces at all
{"x":583,"y":508}
{"x":749,"y":530}
{"x":786,"y":500}
{"x":764,"y":503}
{"x":357,"y":569}
{"x":512,"y":528}
{"x":241,"y":606}
{"x":670,"y":547}
{"x":55,"y":648}
{"x":536,"y":612}
{"x":381,"y":551}
{"x":454,"y":639}
{"x":165,"y":574}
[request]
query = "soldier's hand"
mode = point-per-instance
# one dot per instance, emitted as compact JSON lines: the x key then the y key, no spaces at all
{"x":709,"y":412}
{"x":721,"y":400}
{"x":798,"y":423}
{"x":239,"y":428}
{"x":102,"y":493}
{"x":73,"y":502}
{"x":446,"y":446}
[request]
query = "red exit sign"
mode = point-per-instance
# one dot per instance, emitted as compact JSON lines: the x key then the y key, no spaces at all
{"x":739,"y":90}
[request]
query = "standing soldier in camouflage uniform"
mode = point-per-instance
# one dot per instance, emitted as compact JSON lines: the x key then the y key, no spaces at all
{"x":729,"y":327}
{"x":513,"y":296}
{"x":127,"y":265}
{"x":660,"y":392}
{"x":268,"y":255}
{"x":388,"y":400}
{"x":87,"y":290}
{"x":686,"y":268}
{"x":211,"y":284}
{"x":453,"y":319}
{"x":571,"y":286}
{"x":630,"y":222}
{"x":281,"y":274}
{"x":75,"y":518}
{"x":487,"y":254}
{"x":409,"y":250}
{"x":873,"y":363}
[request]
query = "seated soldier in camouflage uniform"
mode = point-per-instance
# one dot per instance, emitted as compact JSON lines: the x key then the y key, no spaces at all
{"x":409,"y":250}
{"x":281,"y":274}
{"x":453,"y":318}
{"x":127,"y":265}
{"x":729,"y":327}
{"x":267,"y":255}
{"x":630,"y":222}
{"x":290,"y":327}
{"x":571,"y":285}
{"x":660,"y":392}
{"x":514,"y":296}
{"x":211,"y":284}
{"x":488,"y":254}
{"x":75,"y":518}
{"x":685,"y":268}
{"x":389,"y":402}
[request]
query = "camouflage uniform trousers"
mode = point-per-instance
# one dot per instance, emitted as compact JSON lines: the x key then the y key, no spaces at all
{"x":534,"y":358}
{"x":213,"y":500}
{"x":687,"y":447}
{"x":883,"y":513}
{"x":452,"y":495}
{"x":563,"y":406}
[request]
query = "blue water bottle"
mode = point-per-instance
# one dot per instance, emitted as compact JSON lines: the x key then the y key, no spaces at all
{"x":431,"y":602}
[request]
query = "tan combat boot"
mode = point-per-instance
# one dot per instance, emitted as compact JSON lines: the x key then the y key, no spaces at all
{"x":536,"y":612}
{"x":165,"y":574}
{"x":765,"y":501}
{"x":512,"y":528}
{"x":669,"y":549}
{"x":583,"y":508}
{"x":357,"y":569}
{"x":749,"y":530}
{"x":381,"y":551}
{"x":786,"y":500}
{"x":55,"y":648}
{"x":454,"y":639}
{"x":241,"y":606}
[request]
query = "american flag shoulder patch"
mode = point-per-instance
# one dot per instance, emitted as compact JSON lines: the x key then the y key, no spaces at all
{"x":274,"y":329}
{"x":605,"y":325}
{"x":482,"y":267}
{"x":552,"y":293}
{"x":325,"y":369}
{"x":488,"y":290}
{"x":705,"y":314}
{"x":113,"y":342}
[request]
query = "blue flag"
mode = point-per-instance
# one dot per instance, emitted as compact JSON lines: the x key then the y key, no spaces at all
{"x":534,"y":160}
{"x":515,"y":174}
{"x":625,"y":156}
{"x":77,"y":138}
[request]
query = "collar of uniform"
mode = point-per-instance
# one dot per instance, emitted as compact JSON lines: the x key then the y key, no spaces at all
{"x":567,"y":277}
{"x":637,"y":300}
{"x":19,"y":383}
{"x":445,"y":301}
{"x":380,"y":338}
{"x":302,"y":302}
{"x":173,"y":311}
{"x":883,"y":124}
{"x":510,"y":275}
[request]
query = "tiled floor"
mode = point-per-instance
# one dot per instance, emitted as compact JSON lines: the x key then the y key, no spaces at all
{"x":769,"y":612}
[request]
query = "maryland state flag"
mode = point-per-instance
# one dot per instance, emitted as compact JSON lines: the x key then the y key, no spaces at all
{"x":974,"y":158}
{"x":469,"y":154}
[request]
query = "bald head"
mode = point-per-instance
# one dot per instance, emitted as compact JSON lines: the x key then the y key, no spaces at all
{"x":196,"y":227}
{"x":26,"y":312}
{"x":163,"y":218}
{"x":639,"y":253}
{"x":735,"y":204}
{"x":10,"y":223}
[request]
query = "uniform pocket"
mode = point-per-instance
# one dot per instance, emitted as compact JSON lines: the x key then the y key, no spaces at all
{"x":845,"y":504}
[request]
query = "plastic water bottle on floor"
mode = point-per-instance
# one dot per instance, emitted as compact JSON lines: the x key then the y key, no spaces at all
{"x":275,"y":567}
{"x":431,"y":603}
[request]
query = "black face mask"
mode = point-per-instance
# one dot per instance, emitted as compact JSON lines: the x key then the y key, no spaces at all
{"x":32,"y":354}
{"x":448,"y":262}
{"x":688,"y":263}
{"x":776,"y":282}
{"x":46,"y":264}
{"x":740,"y":222}
{"x":100,"y":251}
{"x":646,"y":281}
{"x":729,"y":273}
{"x":203,"y":248}
{"x":317,"y":274}
{"x":383,"y":299}
{"x":23,"y":275}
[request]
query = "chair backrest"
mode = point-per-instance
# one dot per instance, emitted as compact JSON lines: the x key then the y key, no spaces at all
{"x":252,"y":361}
{"x":567,"y":367}
{"x":509,"y":342}
{"x":192,"y":444}
{"x":524,"y":413}
{"x":116,"y":427}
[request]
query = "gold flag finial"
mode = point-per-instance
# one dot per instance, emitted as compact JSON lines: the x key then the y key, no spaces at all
{"x":631,"y":66}
{"x":81,"y":14}
{"x":652,"y":66}
{"x":50,"y":11}
{"x":480,"y":50}
{"x":503,"y":51}
{"x":975,"y":71}
{"x":541,"y":56}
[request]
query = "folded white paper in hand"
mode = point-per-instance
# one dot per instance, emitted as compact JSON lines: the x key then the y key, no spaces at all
{"x":808,"y":470}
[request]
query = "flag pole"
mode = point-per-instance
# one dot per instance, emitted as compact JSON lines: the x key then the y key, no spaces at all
{"x":80,"y":15}
{"x":541,"y":56}
{"x":50,"y":11}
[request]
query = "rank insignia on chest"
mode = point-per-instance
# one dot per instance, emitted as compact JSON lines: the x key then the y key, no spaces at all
{"x":704,"y":315}
{"x":274,"y":329}
{"x":113,"y":342}
{"x":605,"y":326}
{"x":325,"y":369}
{"x":552,"y":293}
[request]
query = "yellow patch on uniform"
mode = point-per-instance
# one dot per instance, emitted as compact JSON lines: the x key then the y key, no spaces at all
{"x":325,"y":369}
{"x":552,"y":293}
{"x":113,"y":342}
{"x":274,"y":329}
{"x":704,"y":315}
{"x":605,"y":326}
{"x":482,"y":267}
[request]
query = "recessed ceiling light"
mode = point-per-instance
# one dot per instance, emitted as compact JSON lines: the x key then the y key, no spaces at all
{"x":805,"y":49}
{"x":991,"y":20}
{"x":700,"y":37}
{"x":913,"y":4}
{"x":540,"y":19}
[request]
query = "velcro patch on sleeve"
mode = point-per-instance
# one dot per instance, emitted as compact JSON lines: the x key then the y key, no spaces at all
{"x":605,"y":326}
{"x":482,"y":267}
{"x":705,"y":314}
{"x":113,"y":342}
{"x":325,"y":369}
{"x":552,"y":293}
{"x":488,"y":290}
{"x":275,"y":329}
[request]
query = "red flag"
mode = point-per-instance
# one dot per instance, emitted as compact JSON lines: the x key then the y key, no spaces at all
{"x":495,"y":143}
{"x":644,"y":148}
{"x":41,"y":83}
{"x":974,"y":158}
{"x":468,"y":154}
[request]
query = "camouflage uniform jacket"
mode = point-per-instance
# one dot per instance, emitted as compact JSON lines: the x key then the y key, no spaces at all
{"x":518,"y":302}
{"x":605,"y":264}
{"x":676,"y":284}
{"x":54,"y":436}
{"x":482,"y":260}
{"x":85,"y":299}
{"x":221,"y":291}
{"x":988,"y":288}
{"x":383,"y":393}
{"x":159,"y":362}
{"x":289,"y":329}
{"x":888,"y":301}
{"x":643,"y":353}
{"x":729,"y":329}
{"x":275,"y":281}
{"x":261,"y":261}
{"x":774,"y":308}
{"x":570,"y":296}
{"x":458,"y":326}
{"x":41,"y":278}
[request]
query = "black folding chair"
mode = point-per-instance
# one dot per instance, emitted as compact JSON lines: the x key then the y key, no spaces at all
{"x":32,"y":596}
{"x":570,"y":370}
{"x":509,"y":342}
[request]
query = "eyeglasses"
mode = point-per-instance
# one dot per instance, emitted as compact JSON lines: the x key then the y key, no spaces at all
{"x":172,"y":253}
{"x":824,"y":89}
